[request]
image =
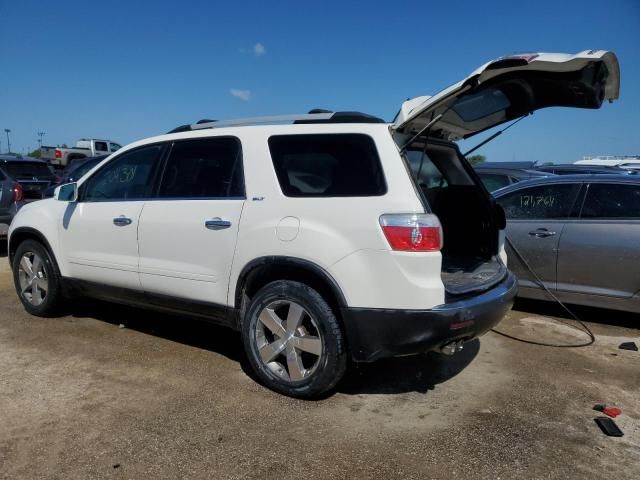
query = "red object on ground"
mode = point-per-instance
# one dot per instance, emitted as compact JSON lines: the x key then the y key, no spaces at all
{"x":611,"y":411}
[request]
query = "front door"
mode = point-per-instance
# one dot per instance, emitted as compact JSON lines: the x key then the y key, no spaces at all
{"x":99,"y":232}
{"x":536,"y":218}
{"x":188,"y":234}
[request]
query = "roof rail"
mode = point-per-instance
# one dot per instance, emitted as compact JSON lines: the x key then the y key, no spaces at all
{"x":314,"y":116}
{"x":254,"y":120}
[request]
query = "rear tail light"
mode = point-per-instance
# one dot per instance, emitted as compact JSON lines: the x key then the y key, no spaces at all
{"x":18,"y":193}
{"x":58,"y":153}
{"x":412,"y":232}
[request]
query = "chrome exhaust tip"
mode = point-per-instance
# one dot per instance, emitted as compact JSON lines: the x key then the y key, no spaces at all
{"x":452,"y":347}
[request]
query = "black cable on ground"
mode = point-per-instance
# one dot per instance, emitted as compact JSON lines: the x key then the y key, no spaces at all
{"x":585,"y":329}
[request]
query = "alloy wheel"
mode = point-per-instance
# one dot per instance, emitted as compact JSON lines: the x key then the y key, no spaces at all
{"x":32,"y":277}
{"x":288,"y":341}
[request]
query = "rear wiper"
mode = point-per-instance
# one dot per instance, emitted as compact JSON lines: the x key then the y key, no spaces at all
{"x":497,"y":134}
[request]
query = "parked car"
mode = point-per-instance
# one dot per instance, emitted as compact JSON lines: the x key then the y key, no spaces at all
{"x":494,"y":178}
{"x":61,"y":157}
{"x":74,"y":172}
{"x":572,"y":169}
{"x":580,"y":234}
{"x":22,"y":179}
{"x":338,"y":235}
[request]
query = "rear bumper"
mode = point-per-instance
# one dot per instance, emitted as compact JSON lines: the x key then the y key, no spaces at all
{"x":379,"y":333}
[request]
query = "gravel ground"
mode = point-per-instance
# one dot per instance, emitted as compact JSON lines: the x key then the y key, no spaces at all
{"x":170,"y":397}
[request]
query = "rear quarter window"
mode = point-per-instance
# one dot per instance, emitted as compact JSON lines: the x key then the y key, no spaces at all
{"x":612,"y":201}
{"x":327,"y":165}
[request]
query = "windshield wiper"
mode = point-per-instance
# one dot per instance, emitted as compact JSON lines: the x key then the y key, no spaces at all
{"x":497,"y":134}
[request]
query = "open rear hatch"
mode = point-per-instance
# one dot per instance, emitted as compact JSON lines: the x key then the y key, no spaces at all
{"x":500,"y":91}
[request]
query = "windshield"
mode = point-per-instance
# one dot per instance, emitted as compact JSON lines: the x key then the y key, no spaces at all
{"x":77,"y":173}
{"x":27,"y":170}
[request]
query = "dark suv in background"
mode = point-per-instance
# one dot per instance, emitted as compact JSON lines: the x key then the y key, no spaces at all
{"x":22,"y":180}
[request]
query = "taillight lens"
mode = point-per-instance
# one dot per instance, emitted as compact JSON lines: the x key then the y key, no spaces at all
{"x":18,"y":193}
{"x":58,"y":153}
{"x":412,"y":232}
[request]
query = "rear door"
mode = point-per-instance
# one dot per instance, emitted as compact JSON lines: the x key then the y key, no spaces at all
{"x":600,"y":252}
{"x":511,"y":87}
{"x":536,"y":217}
{"x":187,"y":236}
{"x":99,"y":233}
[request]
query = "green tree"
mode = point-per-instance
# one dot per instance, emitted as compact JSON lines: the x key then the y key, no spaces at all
{"x":35,"y":153}
{"x":476,"y":159}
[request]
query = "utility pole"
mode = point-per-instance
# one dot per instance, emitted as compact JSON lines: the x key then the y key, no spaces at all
{"x":40,"y":135}
{"x":8,"y":141}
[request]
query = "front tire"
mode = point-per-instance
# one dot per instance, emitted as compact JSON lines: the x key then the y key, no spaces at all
{"x":36,"y":279}
{"x":293,"y":340}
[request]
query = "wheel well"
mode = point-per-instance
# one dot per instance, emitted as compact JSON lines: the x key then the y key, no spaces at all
{"x":24,"y":234}
{"x":262,"y":271}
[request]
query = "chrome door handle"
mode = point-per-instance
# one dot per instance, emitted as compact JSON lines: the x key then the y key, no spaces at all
{"x":121,"y":221}
{"x":217,"y":224}
{"x":542,"y":233}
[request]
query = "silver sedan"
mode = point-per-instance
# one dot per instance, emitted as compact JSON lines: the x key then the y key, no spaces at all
{"x":581,"y":236}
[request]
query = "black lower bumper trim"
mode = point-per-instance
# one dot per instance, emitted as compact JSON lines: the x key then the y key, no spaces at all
{"x":379,"y":333}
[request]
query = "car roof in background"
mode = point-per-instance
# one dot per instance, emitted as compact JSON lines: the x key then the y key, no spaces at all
{"x":577,"y":178}
{"x":514,"y":165}
{"x":11,"y":158}
{"x":515,"y":172}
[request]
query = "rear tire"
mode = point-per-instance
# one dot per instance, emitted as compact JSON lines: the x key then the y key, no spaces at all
{"x":293,"y":340}
{"x":36,"y":279}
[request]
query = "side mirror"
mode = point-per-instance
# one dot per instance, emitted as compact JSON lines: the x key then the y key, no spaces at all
{"x":67,"y":192}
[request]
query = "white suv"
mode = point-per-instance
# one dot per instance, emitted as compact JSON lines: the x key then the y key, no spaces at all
{"x":337,"y":235}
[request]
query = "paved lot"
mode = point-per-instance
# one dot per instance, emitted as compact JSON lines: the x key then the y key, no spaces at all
{"x":169,"y":397}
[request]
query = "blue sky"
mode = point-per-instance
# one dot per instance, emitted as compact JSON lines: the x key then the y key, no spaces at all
{"x":131,"y":69}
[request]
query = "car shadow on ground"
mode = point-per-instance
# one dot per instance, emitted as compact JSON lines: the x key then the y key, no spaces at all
{"x":587,"y":314}
{"x":417,"y":373}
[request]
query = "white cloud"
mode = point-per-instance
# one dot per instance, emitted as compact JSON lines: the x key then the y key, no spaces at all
{"x":259,"y":49}
{"x":241,"y":94}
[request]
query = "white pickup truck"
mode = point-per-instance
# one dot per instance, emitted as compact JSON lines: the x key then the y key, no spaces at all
{"x":85,"y":147}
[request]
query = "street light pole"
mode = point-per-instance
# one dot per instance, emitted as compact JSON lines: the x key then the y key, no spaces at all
{"x":8,"y":141}
{"x":40,"y":135}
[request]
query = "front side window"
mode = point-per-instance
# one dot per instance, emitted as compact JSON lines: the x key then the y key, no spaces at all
{"x":204,"y":168}
{"x":540,"y":202}
{"x":115,"y":147}
{"x":327,"y":165}
{"x":615,"y":201}
{"x":100,"y":146}
{"x":127,"y":177}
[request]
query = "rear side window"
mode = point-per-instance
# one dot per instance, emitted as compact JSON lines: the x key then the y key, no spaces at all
{"x":204,"y":168}
{"x":327,"y":165}
{"x":612,"y":201}
{"x":540,"y":202}
{"x":101,"y":146}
